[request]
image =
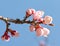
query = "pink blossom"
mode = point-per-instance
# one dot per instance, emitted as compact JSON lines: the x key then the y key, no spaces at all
{"x":6,"y":37}
{"x":38,"y":15}
{"x":46,"y":32}
{"x":14,"y":33}
{"x":48,"y":19}
{"x":32,"y":28}
{"x":30,"y":12}
{"x":39,"y":32}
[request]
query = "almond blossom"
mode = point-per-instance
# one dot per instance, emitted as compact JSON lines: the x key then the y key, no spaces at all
{"x":38,"y":28}
{"x":38,"y":15}
{"x":39,"y":32}
{"x":46,"y":32}
{"x":48,"y":19}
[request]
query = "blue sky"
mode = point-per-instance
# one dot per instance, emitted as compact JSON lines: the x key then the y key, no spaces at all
{"x":16,"y":9}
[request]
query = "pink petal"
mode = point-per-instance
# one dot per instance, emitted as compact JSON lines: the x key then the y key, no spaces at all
{"x":38,"y":15}
{"x":39,"y":32}
{"x":3,"y":38}
{"x":46,"y":32}
{"x":40,"y":20}
{"x":16,"y":34}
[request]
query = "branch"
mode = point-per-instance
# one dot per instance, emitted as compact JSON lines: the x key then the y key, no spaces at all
{"x":34,"y":24}
{"x":18,"y":21}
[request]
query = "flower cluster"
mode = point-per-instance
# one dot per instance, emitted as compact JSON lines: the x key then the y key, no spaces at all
{"x":6,"y":36}
{"x":35,"y":24}
{"x":38,"y":17}
{"x":40,"y":31}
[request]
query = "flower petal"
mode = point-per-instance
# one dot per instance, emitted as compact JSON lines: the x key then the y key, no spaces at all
{"x":38,"y":15}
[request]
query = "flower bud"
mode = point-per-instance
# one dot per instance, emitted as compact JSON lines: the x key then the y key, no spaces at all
{"x":5,"y":37}
{"x":48,"y":19}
